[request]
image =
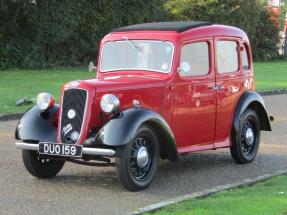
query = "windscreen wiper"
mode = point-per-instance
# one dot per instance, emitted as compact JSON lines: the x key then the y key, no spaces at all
{"x":132,"y":43}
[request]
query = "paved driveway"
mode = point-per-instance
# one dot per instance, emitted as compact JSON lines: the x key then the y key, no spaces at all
{"x":92,"y":190}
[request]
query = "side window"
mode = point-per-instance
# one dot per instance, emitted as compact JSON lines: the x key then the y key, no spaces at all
{"x":196,"y":57}
{"x":227,"y":56}
{"x":245,"y":58}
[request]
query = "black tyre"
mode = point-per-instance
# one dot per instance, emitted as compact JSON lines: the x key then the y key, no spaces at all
{"x":245,"y":147}
{"x":39,"y":166}
{"x":137,"y":162}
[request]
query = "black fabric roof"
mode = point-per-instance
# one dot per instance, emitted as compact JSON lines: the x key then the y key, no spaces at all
{"x":164,"y":26}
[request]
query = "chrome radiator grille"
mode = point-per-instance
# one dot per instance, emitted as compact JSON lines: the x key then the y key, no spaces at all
{"x":72,"y":116}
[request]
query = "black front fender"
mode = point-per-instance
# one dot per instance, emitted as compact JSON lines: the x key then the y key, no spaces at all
{"x":121,"y":130}
{"x":36,"y":126}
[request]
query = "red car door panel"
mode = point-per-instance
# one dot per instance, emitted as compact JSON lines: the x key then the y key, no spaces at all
{"x":194,"y":106}
{"x":230,"y":87}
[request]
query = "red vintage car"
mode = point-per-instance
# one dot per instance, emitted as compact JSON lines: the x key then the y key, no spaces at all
{"x":161,"y":90}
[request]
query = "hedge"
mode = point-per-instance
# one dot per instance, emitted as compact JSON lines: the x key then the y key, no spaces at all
{"x":52,"y":33}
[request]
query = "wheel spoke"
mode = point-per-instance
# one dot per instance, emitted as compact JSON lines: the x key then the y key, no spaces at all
{"x":248,"y":137}
{"x":142,"y":147}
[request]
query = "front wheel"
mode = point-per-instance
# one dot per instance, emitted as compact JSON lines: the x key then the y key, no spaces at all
{"x":137,"y":162}
{"x":245,"y":147}
{"x":41,"y":167}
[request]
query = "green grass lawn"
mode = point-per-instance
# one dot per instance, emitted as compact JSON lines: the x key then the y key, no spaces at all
{"x":264,"y":198}
{"x":15,"y":84}
{"x":271,"y":75}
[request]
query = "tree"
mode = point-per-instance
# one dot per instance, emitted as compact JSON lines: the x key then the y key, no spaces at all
{"x":251,"y":16}
{"x":50,"y":33}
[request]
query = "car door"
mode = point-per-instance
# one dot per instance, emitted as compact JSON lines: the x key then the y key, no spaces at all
{"x":229,"y":86}
{"x":194,"y":100}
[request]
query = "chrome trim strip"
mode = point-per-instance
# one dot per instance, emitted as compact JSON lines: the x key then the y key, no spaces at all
{"x":98,"y":151}
{"x":84,"y":117}
{"x":85,"y":151}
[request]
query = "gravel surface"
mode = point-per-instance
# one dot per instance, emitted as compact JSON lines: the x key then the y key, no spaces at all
{"x":93,"y":190}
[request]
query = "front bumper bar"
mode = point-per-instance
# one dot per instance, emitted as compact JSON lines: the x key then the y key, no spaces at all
{"x":85,"y":151}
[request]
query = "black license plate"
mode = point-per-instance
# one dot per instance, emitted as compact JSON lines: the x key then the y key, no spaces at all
{"x":67,"y":150}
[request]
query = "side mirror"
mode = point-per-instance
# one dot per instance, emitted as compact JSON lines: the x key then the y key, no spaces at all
{"x":92,"y":67}
{"x":184,"y":68}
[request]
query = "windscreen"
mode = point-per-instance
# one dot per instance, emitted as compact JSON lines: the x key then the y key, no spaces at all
{"x":137,"y":55}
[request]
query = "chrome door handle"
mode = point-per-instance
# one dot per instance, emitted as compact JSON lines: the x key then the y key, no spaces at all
{"x":216,"y":87}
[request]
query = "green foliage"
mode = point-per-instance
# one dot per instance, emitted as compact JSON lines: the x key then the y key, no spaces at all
{"x":251,"y":16}
{"x":266,"y":37}
{"x":49,"y":33}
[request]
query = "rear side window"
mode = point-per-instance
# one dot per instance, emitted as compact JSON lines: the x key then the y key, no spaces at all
{"x":227,"y":56}
{"x":197,"y":56}
{"x":245,"y":58}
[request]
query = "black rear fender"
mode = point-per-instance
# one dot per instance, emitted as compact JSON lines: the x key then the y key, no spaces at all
{"x":251,"y":100}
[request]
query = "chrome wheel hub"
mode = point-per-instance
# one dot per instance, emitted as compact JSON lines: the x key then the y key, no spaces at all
{"x":249,"y":136}
{"x":142,"y":157}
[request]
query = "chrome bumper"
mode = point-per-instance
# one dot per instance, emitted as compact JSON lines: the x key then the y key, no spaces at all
{"x":85,"y":151}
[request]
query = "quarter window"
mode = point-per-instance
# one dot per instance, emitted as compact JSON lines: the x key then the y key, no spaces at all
{"x":245,"y":58}
{"x":227,"y":56}
{"x":197,"y":56}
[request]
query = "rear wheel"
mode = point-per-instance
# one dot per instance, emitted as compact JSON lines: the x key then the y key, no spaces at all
{"x":137,"y":162}
{"x":245,"y":148}
{"x":39,"y":166}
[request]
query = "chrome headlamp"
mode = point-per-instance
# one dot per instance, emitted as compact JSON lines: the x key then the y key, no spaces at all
{"x":45,"y":101}
{"x":109,"y":103}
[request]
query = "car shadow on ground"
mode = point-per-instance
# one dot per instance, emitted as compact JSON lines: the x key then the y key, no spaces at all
{"x":192,"y":171}
{"x":105,"y":177}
